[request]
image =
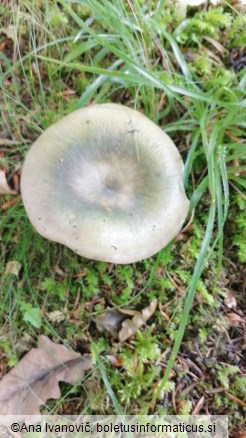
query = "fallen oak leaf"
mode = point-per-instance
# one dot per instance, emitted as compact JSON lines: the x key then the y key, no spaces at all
{"x":4,"y":187}
{"x":130,"y":326}
{"x":35,"y":379}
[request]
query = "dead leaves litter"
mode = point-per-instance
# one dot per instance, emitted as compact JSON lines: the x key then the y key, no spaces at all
{"x":110,"y":320}
{"x":230,"y":300}
{"x":13,"y":267}
{"x":235,"y":320}
{"x":114,"y":320}
{"x":130,"y":326}
{"x":35,"y":379}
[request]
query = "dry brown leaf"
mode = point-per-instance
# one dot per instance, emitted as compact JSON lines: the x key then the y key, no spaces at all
{"x":229,"y":300}
{"x":221,"y":49}
{"x":69,"y":92}
{"x":9,"y":203}
{"x":235,"y":320}
{"x":116,"y":361}
{"x":57,"y":270}
{"x":129,"y":312}
{"x":110,"y":320}
{"x":130,"y":326}
{"x":35,"y":379}
{"x":13,"y":267}
{"x":4,"y":187}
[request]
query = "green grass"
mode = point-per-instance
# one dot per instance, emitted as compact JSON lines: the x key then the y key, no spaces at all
{"x":139,"y":54}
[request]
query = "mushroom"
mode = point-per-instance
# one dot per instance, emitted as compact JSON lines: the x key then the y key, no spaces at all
{"x":106,"y":182}
{"x":181,"y":5}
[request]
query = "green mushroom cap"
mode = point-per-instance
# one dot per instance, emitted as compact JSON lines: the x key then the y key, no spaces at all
{"x":106,"y":182}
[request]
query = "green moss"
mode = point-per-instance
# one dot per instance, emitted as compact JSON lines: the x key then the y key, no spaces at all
{"x":239,"y":228}
{"x":209,"y":23}
{"x":236,"y":35}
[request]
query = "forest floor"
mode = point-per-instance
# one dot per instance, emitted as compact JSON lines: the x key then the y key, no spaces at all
{"x":186,"y":71}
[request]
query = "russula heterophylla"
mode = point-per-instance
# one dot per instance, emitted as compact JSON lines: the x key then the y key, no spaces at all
{"x":106,"y":182}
